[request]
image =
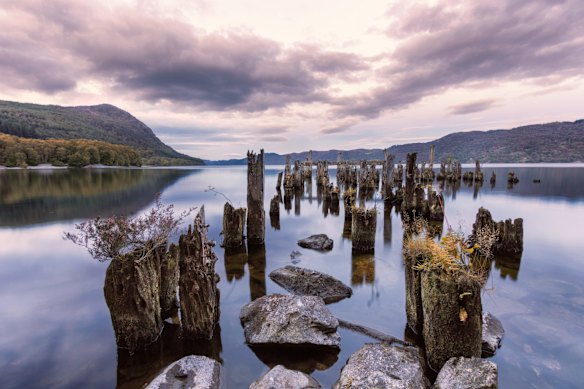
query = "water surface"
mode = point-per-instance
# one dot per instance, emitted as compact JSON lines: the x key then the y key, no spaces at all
{"x":56,"y":329}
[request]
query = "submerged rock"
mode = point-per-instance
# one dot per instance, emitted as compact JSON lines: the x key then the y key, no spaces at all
{"x":377,"y":365}
{"x":492,"y":334}
{"x":319,"y":242}
{"x":285,"y":319}
{"x":467,"y":373}
{"x":308,"y":282}
{"x":190,"y":372}
{"x":281,"y":378}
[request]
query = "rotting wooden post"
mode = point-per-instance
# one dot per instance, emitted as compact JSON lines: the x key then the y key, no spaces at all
{"x":256,"y":228}
{"x":199,"y":296}
{"x":478,"y":174}
{"x":132,"y":294}
{"x":363,"y":228}
{"x":233,"y":225}
{"x":349,"y":198}
{"x":452,"y":314}
{"x":169,"y":276}
{"x":509,"y":233}
{"x":410,"y":167}
{"x":387,"y":207}
{"x":493,"y":179}
{"x":279,"y":183}
{"x":414,"y":311}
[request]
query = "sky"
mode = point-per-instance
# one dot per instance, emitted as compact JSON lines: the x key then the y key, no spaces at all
{"x":214,"y":79}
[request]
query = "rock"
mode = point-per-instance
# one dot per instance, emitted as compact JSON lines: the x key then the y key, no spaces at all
{"x":285,"y":319}
{"x":467,"y":373}
{"x":377,"y":365}
{"x":281,"y":378}
{"x":190,"y":372}
{"x":306,"y":282}
{"x":319,"y":242}
{"x":492,"y":334}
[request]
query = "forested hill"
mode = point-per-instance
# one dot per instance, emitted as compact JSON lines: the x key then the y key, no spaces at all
{"x":99,"y":122}
{"x":551,"y":142}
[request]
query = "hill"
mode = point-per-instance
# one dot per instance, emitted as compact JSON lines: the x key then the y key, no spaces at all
{"x":551,"y":142}
{"x":99,"y":122}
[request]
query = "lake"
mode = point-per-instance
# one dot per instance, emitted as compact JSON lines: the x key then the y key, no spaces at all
{"x":55,"y":327}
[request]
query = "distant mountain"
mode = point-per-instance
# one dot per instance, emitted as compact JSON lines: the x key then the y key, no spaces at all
{"x":551,"y":142}
{"x":98,"y":122}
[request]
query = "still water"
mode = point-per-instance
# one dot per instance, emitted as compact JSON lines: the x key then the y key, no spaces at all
{"x":55,"y":328}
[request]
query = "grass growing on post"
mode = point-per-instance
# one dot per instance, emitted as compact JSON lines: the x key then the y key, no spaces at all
{"x":454,"y":254}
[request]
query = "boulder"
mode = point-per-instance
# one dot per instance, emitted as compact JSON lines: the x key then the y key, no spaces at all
{"x":281,"y":378}
{"x":467,"y":373}
{"x":306,"y":282}
{"x":378,"y":365}
{"x":492,"y":335}
{"x":286,"y":319}
{"x":319,"y":242}
{"x":190,"y":372}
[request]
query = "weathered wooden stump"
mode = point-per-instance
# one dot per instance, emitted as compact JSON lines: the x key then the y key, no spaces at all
{"x":509,"y":233}
{"x":132,"y":294}
{"x":256,"y":224}
{"x":387,"y":182}
{"x":512,"y":178}
{"x":409,"y":192}
{"x":279,"y":183}
{"x":233,"y":225}
{"x":452,"y":314}
{"x":364,"y":223}
{"x":199,"y":296}
{"x":169,"y":276}
{"x":414,"y":311}
{"x":349,"y":201}
{"x":493,"y":179}
{"x":478,"y":174}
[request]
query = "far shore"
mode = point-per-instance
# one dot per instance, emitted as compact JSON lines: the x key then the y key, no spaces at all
{"x":436,"y":166}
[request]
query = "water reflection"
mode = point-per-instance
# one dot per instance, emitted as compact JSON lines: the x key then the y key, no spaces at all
{"x":257,"y":271}
{"x":508,"y":266}
{"x":38,"y":196}
{"x":136,"y":370}
{"x":362,"y":269}
{"x":235,"y":261}
{"x":541,"y":311}
{"x":302,"y":358}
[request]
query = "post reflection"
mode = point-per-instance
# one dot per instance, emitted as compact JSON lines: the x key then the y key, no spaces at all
{"x":362,"y":269}
{"x":257,"y":271}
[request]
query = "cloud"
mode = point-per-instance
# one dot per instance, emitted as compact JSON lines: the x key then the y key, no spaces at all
{"x":157,"y":59}
{"x":476,"y":106}
{"x":469,"y":43}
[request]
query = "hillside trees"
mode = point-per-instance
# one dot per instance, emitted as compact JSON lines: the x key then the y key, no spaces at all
{"x":22,"y":152}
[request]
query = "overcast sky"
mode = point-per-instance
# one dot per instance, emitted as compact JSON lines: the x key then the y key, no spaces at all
{"x":216,"y":78}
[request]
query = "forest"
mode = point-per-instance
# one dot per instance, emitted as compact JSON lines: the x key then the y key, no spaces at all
{"x":23,"y":152}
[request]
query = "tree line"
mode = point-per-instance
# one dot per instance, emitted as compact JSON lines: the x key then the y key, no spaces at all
{"x":23,"y":152}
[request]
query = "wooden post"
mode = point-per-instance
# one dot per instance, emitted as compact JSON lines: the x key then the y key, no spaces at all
{"x":279,"y":183}
{"x":275,"y":212}
{"x":199,"y":296}
{"x":363,"y":228}
{"x":410,"y":167}
{"x":256,"y":228}
{"x":132,"y":294}
{"x":452,"y":314}
{"x":169,"y":276}
{"x":233,"y":225}
{"x":478,"y":174}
